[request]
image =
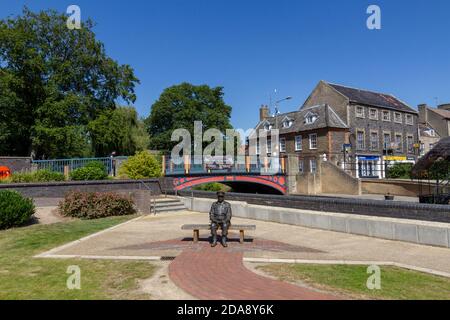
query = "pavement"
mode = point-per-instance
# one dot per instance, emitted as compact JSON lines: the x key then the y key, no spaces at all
{"x":194,"y":269}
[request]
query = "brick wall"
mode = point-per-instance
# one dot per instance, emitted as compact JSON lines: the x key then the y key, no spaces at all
{"x":16,"y":164}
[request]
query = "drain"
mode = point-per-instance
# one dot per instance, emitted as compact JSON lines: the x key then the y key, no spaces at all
{"x":167,"y":258}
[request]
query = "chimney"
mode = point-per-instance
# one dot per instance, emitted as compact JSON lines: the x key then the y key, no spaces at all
{"x":445,"y":106}
{"x":327,"y":114}
{"x":263,"y":112}
{"x":423,"y":113}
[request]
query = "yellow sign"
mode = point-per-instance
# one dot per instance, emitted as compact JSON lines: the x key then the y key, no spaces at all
{"x":394,"y":158}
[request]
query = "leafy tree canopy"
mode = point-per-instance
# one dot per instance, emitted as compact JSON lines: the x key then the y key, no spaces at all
{"x":53,"y":82}
{"x":118,"y":130}
{"x":179,"y":106}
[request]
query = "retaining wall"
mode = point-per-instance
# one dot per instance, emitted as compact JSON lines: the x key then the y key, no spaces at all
{"x":419,"y":232}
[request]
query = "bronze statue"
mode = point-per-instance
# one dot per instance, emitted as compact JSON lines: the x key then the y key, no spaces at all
{"x":220,"y":216}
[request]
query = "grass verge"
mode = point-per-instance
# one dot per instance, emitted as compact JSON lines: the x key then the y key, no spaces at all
{"x":351,"y":281}
{"x":25,"y":277}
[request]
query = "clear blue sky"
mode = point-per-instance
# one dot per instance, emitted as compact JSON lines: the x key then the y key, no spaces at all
{"x":252,"y":47}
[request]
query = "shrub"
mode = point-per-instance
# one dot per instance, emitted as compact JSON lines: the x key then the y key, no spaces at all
{"x":91,"y":171}
{"x":37,"y":176}
{"x":140,"y":166}
{"x":212,"y":187}
{"x":15,"y":210}
{"x":93,"y":205}
{"x":399,"y":171}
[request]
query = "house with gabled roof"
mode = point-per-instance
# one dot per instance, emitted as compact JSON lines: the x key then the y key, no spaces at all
{"x":383,"y":129}
{"x":312,"y":133}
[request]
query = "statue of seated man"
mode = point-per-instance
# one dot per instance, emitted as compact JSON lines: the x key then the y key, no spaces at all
{"x":220,"y":216}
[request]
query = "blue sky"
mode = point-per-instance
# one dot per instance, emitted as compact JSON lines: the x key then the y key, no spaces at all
{"x":253,"y":47}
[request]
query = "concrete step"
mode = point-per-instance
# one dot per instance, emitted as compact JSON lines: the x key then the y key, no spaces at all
{"x":167,"y":205}
{"x":170,"y":209}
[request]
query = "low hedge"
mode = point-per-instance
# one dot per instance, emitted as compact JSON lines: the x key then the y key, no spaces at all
{"x":36,"y":176}
{"x":94,"y":205}
{"x":15,"y":210}
{"x":92,"y":171}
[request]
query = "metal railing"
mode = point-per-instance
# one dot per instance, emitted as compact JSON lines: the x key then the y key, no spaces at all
{"x":60,"y":165}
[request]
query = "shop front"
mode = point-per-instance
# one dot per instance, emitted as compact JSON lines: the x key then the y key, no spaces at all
{"x":369,"y":166}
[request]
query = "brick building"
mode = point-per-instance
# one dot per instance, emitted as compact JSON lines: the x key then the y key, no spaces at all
{"x":310,"y":133}
{"x":382,"y":129}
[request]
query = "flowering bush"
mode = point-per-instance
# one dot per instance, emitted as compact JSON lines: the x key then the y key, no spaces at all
{"x":94,"y":205}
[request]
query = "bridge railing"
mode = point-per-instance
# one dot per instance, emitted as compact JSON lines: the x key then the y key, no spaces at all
{"x":241,"y":165}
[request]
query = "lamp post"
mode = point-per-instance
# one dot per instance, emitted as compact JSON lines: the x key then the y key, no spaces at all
{"x":275,"y":153}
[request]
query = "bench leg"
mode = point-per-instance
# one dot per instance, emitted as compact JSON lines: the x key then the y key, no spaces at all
{"x":196,"y":236}
{"x":241,"y":236}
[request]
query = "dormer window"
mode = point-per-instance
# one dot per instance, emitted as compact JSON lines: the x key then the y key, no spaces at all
{"x":310,"y":118}
{"x":287,"y":123}
{"x":267,"y":126}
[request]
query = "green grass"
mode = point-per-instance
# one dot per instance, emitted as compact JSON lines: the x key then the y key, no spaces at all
{"x":25,"y":277}
{"x":350,"y":281}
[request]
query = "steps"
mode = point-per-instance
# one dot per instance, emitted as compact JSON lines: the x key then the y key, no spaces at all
{"x":167,"y":205}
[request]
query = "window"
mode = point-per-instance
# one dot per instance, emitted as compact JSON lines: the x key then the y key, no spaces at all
{"x":398,"y":117}
{"x":386,"y":116}
{"x":269,"y":146}
{"x":432,"y":133}
{"x":431,"y":146}
{"x":374,"y":140}
{"x":287,"y":123}
{"x":409,"y":119}
{"x":386,"y":141}
{"x":313,"y":165}
{"x":359,"y":112}
{"x":310,"y":118}
{"x":410,"y":144}
{"x":360,"y":145}
{"x":398,"y":142}
{"x":282,"y":144}
{"x":298,"y":143}
{"x":373,"y":114}
{"x":257,"y":147}
{"x":313,"y":141}
{"x":267,"y":126}
{"x":300,"y":166}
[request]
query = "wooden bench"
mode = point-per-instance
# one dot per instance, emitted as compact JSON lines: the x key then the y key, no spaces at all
{"x":197,"y":227}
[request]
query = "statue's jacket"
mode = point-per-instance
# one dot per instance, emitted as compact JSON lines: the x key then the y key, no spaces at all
{"x":220,"y":212}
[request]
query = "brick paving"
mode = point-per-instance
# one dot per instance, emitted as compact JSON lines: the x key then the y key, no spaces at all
{"x":219,"y":274}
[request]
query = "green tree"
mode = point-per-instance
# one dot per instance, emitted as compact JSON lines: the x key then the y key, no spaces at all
{"x":179,"y":106}
{"x":53,"y":82}
{"x":118,"y":130}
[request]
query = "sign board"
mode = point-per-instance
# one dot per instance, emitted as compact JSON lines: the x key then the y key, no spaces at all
{"x":395,"y":158}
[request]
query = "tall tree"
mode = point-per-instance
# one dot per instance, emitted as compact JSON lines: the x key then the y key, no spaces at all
{"x":179,"y":106}
{"x":118,"y":130}
{"x":53,"y":82}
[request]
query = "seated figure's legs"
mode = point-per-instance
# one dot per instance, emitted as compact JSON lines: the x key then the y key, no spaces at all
{"x":224,"y":226}
{"x":214,"y":227}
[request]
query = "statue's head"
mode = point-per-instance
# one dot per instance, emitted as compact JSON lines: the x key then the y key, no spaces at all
{"x":220,"y":196}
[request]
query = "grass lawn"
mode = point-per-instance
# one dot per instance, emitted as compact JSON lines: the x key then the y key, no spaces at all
{"x":350,"y":281}
{"x":25,"y":277}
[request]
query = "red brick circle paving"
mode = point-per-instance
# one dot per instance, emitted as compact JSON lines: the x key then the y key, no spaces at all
{"x":219,"y":274}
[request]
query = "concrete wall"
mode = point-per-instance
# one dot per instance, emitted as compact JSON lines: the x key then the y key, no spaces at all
{"x":338,"y":181}
{"x":395,"y":187}
{"x":420,"y":232}
{"x":328,"y":179}
{"x":16,"y":164}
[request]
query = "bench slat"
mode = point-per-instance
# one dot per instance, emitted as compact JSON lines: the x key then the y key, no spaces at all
{"x":207,"y":227}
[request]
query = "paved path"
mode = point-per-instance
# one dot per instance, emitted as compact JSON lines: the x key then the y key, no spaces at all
{"x":219,"y":274}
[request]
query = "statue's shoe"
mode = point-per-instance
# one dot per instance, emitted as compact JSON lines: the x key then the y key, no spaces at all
{"x":213,"y":244}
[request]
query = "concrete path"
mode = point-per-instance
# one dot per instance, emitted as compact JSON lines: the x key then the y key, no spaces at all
{"x":195,"y":266}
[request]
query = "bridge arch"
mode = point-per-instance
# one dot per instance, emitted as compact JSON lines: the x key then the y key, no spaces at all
{"x":277,"y":182}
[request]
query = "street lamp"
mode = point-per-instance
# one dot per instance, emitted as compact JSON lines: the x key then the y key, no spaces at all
{"x":275,"y":154}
